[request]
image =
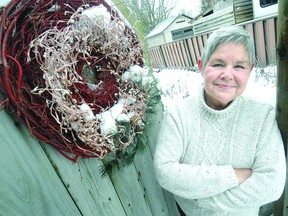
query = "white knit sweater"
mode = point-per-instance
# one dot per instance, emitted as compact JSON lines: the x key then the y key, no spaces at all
{"x":198,"y":147}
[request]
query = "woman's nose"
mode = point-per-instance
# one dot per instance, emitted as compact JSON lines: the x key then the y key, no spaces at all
{"x":227,"y":73}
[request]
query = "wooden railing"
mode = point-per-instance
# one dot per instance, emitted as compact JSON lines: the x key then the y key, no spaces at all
{"x":185,"y":53}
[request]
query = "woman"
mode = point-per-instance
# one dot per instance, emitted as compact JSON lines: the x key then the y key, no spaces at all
{"x":220,"y":153}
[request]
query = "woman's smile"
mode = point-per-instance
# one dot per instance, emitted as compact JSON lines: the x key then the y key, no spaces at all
{"x":224,"y":86}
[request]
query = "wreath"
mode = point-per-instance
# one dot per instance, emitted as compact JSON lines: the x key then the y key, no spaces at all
{"x":73,"y":72}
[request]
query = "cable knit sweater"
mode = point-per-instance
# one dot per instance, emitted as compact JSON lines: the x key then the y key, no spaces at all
{"x":198,"y":147}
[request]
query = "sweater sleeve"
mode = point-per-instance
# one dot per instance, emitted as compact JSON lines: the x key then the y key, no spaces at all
{"x":267,"y":181}
{"x":186,"y":180}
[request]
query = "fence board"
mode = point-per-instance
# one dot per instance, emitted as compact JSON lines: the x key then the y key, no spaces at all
{"x":130,"y":192}
{"x":180,"y":54}
{"x":270,"y":30}
{"x":249,"y":28}
{"x":167,"y":53}
{"x":157,"y":57}
{"x":192,"y":51}
{"x":201,"y":45}
{"x":153,"y":57}
{"x":29,"y":184}
{"x":173,"y":54}
{"x":93,"y":194}
{"x":152,"y":191}
{"x":152,"y":133}
{"x":161,"y":58}
{"x":260,"y":43}
{"x":184,"y":54}
{"x":196,"y":47}
{"x":176,"y":54}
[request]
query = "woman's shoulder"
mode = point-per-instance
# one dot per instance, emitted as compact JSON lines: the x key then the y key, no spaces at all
{"x":257,"y":106}
{"x":182,"y":104}
{"x":182,"y":108}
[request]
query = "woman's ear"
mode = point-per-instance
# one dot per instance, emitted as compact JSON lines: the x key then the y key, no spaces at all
{"x":200,"y":65}
{"x":251,"y":67}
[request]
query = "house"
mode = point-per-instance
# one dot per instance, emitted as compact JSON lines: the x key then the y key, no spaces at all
{"x":221,"y":13}
{"x":225,"y":13}
{"x":171,"y":29}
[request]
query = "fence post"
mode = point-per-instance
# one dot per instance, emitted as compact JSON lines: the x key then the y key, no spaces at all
{"x":282,"y":90}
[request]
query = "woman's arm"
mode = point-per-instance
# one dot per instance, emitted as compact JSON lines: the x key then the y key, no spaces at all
{"x":186,"y":180}
{"x":267,"y":181}
{"x":242,"y":174}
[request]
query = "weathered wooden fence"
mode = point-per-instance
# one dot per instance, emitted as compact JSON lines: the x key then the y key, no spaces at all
{"x":185,"y":53}
{"x":36,"y":180}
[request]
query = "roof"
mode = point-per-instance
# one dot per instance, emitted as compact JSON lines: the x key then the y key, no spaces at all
{"x":164,"y":25}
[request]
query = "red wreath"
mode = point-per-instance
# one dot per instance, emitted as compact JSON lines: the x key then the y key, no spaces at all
{"x":21,"y":22}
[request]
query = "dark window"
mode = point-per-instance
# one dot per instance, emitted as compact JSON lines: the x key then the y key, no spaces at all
{"x":177,"y":33}
{"x":266,"y":3}
{"x":182,"y":33}
{"x":188,"y":30}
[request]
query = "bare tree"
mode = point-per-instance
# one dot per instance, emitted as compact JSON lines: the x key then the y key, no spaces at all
{"x":187,"y":11}
{"x":205,"y":5}
{"x":150,"y":12}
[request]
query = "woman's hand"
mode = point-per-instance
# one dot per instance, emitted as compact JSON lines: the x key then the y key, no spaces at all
{"x":242,"y":174}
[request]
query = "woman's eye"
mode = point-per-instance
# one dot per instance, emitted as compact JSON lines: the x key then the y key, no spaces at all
{"x":239,"y":66}
{"x":217,"y":65}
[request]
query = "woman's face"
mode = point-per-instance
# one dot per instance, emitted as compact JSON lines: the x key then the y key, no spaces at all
{"x":225,"y":75}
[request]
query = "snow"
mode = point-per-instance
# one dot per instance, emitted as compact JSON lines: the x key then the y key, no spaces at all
{"x":176,"y":84}
{"x":3,"y":3}
{"x":161,"y":26}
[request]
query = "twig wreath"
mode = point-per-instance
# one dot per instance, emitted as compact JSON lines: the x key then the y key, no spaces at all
{"x":73,"y":72}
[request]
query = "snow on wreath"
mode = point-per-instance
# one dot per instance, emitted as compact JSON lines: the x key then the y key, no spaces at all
{"x":74,"y":75}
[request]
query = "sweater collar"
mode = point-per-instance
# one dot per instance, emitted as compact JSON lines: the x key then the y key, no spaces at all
{"x":212,"y":113}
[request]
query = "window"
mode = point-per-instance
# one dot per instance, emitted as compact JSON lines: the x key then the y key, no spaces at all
{"x":188,"y":30}
{"x":177,"y":33}
{"x":266,"y":3}
{"x":182,"y":33}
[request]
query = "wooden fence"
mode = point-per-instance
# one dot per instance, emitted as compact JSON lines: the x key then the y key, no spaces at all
{"x":36,"y":180}
{"x":185,"y":53}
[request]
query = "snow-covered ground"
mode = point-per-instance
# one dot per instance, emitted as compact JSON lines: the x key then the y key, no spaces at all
{"x":176,"y":84}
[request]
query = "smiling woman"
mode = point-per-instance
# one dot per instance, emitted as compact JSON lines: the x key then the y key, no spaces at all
{"x":220,"y":153}
{"x":226,"y":75}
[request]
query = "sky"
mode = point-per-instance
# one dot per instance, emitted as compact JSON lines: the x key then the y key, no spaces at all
{"x":4,"y":2}
{"x":192,"y":6}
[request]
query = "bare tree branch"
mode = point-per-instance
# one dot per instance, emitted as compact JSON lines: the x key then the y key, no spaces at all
{"x":150,"y":12}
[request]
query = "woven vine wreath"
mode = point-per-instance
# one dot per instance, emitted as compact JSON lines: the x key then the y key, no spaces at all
{"x":72,"y":71}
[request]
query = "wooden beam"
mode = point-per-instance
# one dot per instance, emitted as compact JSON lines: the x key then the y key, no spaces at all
{"x":282,"y":89}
